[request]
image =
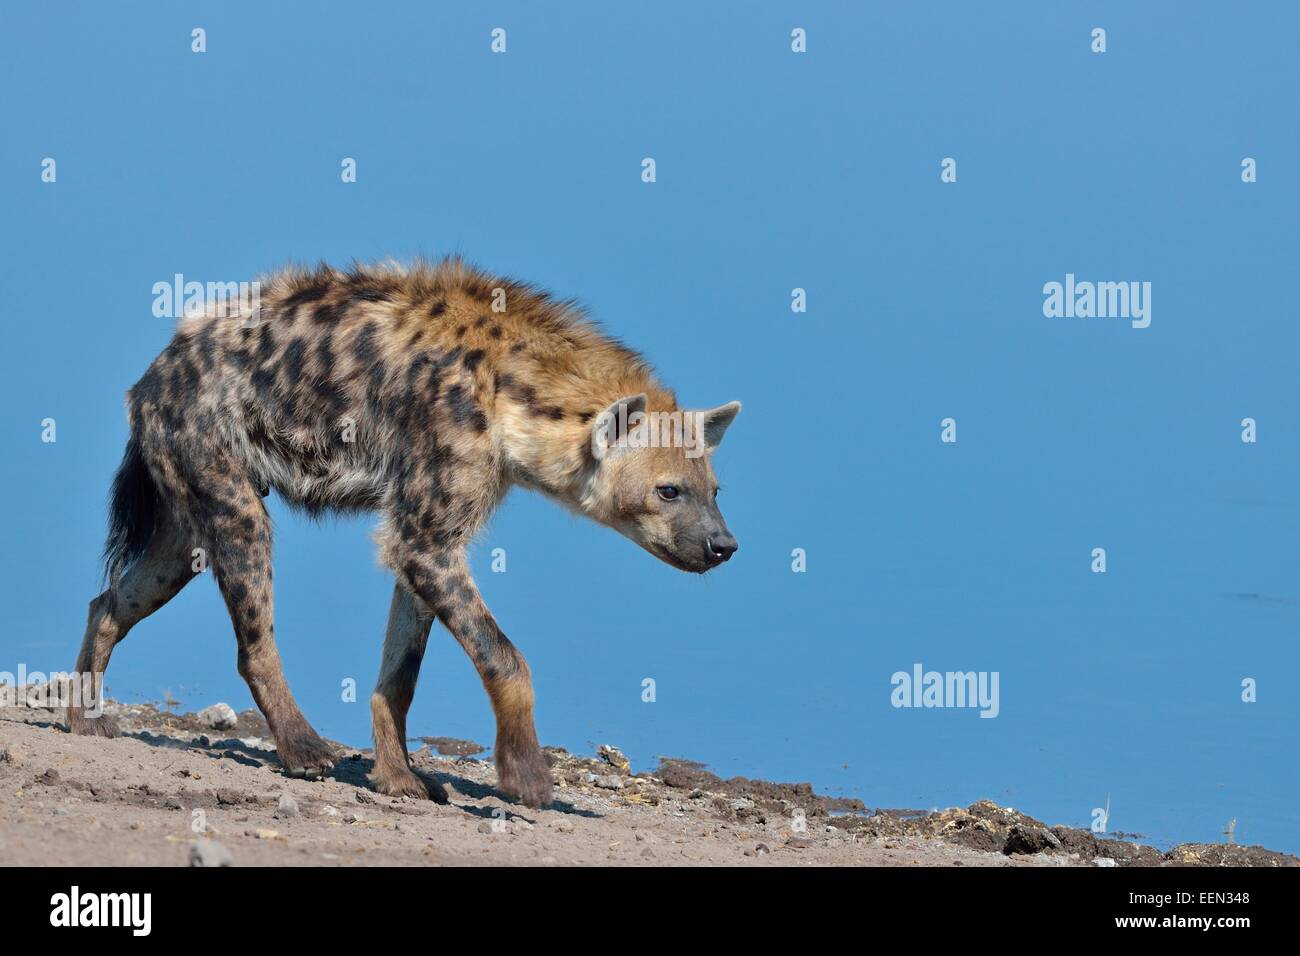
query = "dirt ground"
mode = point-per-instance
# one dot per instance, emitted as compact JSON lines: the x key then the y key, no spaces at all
{"x":172,"y":790}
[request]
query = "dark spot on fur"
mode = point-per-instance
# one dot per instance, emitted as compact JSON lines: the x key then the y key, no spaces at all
{"x":295,"y":356}
{"x":364,"y":347}
{"x":472,"y":359}
{"x":325,"y":352}
{"x":328,"y":313}
{"x":265,"y":344}
{"x":310,"y":293}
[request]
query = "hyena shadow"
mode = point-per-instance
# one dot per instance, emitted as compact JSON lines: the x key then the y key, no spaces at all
{"x":226,"y":749}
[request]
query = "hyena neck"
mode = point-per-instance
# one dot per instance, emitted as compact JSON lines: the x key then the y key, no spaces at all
{"x":547,"y":441}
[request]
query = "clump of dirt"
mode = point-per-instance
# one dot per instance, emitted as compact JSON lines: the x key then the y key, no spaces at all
{"x":739,"y":798}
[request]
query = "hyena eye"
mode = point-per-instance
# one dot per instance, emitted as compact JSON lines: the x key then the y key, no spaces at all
{"x":668,"y":492}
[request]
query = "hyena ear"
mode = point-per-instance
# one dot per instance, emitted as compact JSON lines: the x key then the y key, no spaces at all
{"x":612,"y":427}
{"x":716,"y":421}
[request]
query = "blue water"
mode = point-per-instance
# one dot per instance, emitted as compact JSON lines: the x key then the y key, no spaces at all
{"x":775,"y":171}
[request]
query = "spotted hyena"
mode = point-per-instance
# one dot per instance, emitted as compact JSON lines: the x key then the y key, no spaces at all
{"x":422,"y":393}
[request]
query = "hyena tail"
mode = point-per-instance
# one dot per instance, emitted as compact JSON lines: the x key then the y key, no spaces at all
{"x":133,"y":512}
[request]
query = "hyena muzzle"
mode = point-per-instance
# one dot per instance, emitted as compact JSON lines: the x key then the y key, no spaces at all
{"x":423,"y":393}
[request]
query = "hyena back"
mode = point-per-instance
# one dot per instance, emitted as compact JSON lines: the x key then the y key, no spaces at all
{"x":423,"y":393}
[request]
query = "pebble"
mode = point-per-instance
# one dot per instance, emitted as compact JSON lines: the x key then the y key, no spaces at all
{"x":287,"y":808}
{"x":610,"y":782}
{"x":219,"y":716}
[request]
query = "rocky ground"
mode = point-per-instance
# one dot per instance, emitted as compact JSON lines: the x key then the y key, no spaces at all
{"x":205,"y":789}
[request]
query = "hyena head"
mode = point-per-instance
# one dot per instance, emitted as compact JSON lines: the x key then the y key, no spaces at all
{"x":654,"y":483}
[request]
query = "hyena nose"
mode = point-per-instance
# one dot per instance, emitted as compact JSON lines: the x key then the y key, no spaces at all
{"x":721,"y":546}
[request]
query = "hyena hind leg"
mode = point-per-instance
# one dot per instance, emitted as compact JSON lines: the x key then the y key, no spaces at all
{"x":409,"y":622}
{"x":240,"y":535}
{"x":147,"y":585}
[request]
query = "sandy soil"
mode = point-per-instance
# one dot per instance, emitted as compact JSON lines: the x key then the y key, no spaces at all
{"x":174,"y":791}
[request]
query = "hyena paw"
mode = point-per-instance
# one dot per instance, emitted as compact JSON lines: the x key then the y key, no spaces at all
{"x":526,"y":778}
{"x":405,"y":783}
{"x":306,"y":757}
{"x":103,"y":726}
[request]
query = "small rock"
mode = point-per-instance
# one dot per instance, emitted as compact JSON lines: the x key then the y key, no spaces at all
{"x":484,"y":827}
{"x":205,"y":852}
{"x":614,"y":757}
{"x":287,"y":808}
{"x":363,"y":796}
{"x":172,"y":803}
{"x":609,"y":782}
{"x":219,"y":716}
{"x":1103,"y":861}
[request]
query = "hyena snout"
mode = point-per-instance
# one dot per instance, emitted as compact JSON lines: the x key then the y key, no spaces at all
{"x":720,"y":546}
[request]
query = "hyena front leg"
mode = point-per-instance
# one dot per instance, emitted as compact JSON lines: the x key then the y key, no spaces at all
{"x":152,"y":581}
{"x":441,"y":578}
{"x":239,"y":531}
{"x":409,"y":621}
